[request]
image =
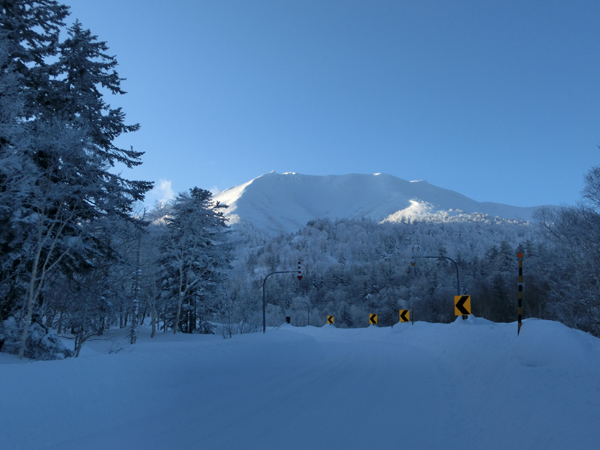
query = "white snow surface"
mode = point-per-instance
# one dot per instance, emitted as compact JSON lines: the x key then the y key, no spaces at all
{"x":286,"y":202}
{"x":470,"y":384}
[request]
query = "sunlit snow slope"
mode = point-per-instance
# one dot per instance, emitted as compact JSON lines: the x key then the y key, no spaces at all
{"x":286,"y":202}
{"x":470,"y":384}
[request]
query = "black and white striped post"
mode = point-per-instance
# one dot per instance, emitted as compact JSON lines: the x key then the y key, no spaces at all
{"x":520,"y":317}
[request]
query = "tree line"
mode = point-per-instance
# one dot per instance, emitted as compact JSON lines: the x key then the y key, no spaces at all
{"x":352,"y":268}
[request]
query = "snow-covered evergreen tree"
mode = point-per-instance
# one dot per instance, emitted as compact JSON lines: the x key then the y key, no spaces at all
{"x":194,"y":257}
{"x":56,"y":149}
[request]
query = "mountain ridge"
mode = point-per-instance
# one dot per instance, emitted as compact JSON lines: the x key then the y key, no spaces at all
{"x":286,"y":202}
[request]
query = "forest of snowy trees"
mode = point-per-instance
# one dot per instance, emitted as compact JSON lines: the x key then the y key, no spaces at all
{"x":79,"y":254}
{"x":73,"y":253}
{"x":352,"y":268}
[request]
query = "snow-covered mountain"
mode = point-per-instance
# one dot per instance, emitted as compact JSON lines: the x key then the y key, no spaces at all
{"x":286,"y":202}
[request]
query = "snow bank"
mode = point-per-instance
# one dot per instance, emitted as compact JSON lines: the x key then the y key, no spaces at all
{"x":468,"y":384}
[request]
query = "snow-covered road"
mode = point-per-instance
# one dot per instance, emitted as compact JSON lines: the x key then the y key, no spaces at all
{"x":467,"y":385}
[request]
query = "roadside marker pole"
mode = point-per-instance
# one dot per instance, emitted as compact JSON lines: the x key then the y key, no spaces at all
{"x":520,"y":316}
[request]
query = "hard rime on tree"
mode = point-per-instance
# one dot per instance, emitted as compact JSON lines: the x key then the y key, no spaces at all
{"x":195,"y":257}
{"x":355,"y":267}
{"x":57,"y":193}
{"x":574,"y":284}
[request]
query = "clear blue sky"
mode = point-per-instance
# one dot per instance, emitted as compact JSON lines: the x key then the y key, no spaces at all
{"x":498,"y":100}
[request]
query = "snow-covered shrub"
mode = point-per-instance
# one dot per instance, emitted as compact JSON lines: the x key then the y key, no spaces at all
{"x":42,"y":342}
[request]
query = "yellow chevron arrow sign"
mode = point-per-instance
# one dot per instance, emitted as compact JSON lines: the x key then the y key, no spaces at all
{"x":462,"y":305}
{"x":404,"y":315}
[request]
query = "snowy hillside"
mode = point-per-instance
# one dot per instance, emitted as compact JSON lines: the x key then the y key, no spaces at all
{"x":466,"y":385}
{"x":286,"y":202}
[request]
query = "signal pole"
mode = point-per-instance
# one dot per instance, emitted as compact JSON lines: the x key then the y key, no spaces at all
{"x":263,"y":292}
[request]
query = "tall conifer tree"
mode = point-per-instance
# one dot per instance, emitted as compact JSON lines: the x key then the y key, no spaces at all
{"x":63,"y":168}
